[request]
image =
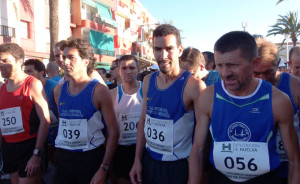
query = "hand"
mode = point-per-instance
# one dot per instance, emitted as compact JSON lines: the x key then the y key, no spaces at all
{"x":99,"y":177}
{"x":136,"y":173}
{"x":33,"y":166}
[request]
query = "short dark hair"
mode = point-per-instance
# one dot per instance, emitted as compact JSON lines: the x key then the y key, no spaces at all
{"x":14,"y":49}
{"x":165,"y":30}
{"x":193,"y":56}
{"x":37,"y":64}
{"x":295,"y":49}
{"x":59,"y":44}
{"x":116,"y":61}
{"x":85,"y":51}
{"x":237,"y":40}
{"x":129,"y":57}
{"x":210,"y":58}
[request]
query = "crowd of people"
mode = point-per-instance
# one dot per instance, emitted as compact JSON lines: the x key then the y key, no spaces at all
{"x":219,"y":118}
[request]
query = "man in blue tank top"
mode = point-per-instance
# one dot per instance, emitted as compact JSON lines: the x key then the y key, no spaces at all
{"x":166,"y":125}
{"x":243,"y":116}
{"x":267,"y":69}
{"x":85,"y":120}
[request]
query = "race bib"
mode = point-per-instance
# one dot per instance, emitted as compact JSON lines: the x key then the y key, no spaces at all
{"x":72,"y":134}
{"x":128,"y":127}
{"x":241,"y":161}
{"x":159,"y":135}
{"x":11,"y":121}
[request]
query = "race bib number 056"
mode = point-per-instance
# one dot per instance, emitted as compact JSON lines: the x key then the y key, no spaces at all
{"x":159,"y":135}
{"x":11,"y":121}
{"x":72,"y":134}
{"x":241,"y":161}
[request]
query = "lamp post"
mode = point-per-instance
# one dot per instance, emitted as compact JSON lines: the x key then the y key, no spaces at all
{"x":244,"y":25}
{"x":287,"y":37}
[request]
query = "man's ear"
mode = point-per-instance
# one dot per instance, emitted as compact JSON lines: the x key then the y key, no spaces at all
{"x":180,"y":50}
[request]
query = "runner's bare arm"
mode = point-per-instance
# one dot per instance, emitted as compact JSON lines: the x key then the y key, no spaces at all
{"x":39,"y":99}
{"x":136,"y":170}
{"x":283,"y":117}
{"x":103,"y":100}
{"x":203,"y":110}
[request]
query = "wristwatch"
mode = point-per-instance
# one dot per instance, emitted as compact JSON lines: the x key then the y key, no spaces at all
{"x":37,"y":152}
{"x":105,"y":167}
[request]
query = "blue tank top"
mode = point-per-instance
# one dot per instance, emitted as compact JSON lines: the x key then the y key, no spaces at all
{"x":81,"y":125}
{"x":169,"y":125}
{"x":243,"y":133}
{"x":284,"y":85}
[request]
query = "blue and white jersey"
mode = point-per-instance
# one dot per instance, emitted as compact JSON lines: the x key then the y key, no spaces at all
{"x":128,"y":109}
{"x":81,"y":125}
{"x":169,"y":126}
{"x":243,"y":133}
{"x":285,"y":86}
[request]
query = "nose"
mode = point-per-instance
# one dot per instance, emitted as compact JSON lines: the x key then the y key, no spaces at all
{"x":165,"y":54}
{"x":224,"y":71}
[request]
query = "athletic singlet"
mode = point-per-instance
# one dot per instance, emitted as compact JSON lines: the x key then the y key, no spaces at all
{"x":18,"y":118}
{"x":128,"y":109}
{"x":243,"y":133}
{"x":284,"y":86}
{"x":169,"y":126}
{"x":80,"y":123}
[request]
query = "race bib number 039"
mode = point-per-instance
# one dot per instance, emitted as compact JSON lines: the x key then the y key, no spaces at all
{"x":241,"y":161}
{"x":11,"y":121}
{"x":72,"y":134}
{"x":159,"y":135}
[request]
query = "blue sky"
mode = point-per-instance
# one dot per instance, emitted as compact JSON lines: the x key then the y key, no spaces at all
{"x":203,"y":21}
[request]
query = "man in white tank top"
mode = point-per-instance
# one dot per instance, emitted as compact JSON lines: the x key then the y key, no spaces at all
{"x":128,"y":107}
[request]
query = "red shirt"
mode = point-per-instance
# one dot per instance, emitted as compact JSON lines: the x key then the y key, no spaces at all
{"x":19,"y":99}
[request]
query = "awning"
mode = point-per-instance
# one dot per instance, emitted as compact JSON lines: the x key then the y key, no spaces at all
{"x":102,"y":43}
{"x":91,"y":3}
{"x":104,"y":65}
{"x":105,"y":15}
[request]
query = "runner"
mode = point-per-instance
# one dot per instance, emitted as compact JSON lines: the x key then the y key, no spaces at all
{"x":25,"y":118}
{"x":128,"y":99}
{"x":85,"y":120}
{"x":243,"y":115}
{"x":167,"y":122}
{"x":267,"y":69}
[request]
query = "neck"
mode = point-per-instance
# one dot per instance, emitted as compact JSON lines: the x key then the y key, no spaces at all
{"x":43,"y":80}
{"x":130,"y":87}
{"x":172,"y":75}
{"x":17,"y":77}
{"x":247,"y":89}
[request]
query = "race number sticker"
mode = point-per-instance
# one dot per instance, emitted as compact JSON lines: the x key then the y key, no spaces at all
{"x":159,"y":135}
{"x":128,"y":127}
{"x":11,"y":121}
{"x":241,"y":161}
{"x":280,"y":148}
{"x":72,"y":134}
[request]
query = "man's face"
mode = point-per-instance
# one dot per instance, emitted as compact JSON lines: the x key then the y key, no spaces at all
{"x":167,"y":53}
{"x":295,"y":64}
{"x":58,"y":57}
{"x":7,"y":64}
{"x":29,"y":69}
{"x":73,"y":63}
{"x":234,"y":70}
{"x":114,"y":71}
{"x":208,"y":65}
{"x":265,"y":71}
{"x":128,"y":70}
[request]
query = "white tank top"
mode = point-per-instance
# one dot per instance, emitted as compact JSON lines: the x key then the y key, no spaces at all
{"x":128,"y":109}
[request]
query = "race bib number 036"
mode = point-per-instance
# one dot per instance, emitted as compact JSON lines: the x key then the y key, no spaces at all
{"x":241,"y":161}
{"x":72,"y":134}
{"x":159,"y":135}
{"x":11,"y":121}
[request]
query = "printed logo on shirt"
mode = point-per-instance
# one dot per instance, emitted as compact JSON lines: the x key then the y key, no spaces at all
{"x":62,"y":103}
{"x":238,"y":131}
{"x":255,"y":110}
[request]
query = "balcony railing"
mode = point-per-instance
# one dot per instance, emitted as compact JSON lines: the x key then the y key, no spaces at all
{"x":7,"y":31}
{"x":104,"y":52}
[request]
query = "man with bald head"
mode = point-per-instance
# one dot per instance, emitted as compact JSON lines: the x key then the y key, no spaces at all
{"x":294,"y":57}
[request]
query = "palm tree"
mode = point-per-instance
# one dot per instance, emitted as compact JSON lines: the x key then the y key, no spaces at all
{"x":279,"y":1}
{"x":287,"y":25}
{"x":53,"y":9}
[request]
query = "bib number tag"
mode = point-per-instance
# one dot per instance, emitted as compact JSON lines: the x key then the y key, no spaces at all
{"x":241,"y":161}
{"x":128,"y":127}
{"x":159,"y":135}
{"x":72,"y":134}
{"x":11,"y":121}
{"x":280,"y":149}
